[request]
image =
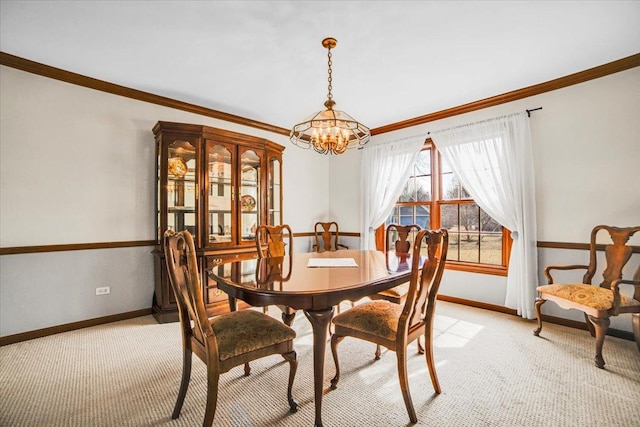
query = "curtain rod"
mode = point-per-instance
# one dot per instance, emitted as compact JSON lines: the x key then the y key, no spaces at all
{"x":527,"y":111}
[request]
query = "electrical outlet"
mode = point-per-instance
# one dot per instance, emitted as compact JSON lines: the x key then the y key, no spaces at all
{"x":103,"y":291}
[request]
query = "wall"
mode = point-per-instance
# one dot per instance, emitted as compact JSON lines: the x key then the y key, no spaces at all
{"x":586,"y":143}
{"x":78,"y":166}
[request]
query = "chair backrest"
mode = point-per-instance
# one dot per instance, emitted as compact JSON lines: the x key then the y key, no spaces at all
{"x":617,"y":254}
{"x":419,"y":306}
{"x":327,"y":235}
{"x":182,"y":266}
{"x":400,"y":237}
{"x":271,"y":240}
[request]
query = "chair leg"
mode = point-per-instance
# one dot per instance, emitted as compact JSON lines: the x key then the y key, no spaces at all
{"x":428,"y":353}
{"x":293,"y":367}
{"x":590,"y":326}
{"x":184,"y":384}
{"x":538,"y":306}
{"x":401,"y":355}
{"x":335,"y":340}
{"x":601,"y":325}
{"x":378,"y":352}
{"x":420,"y":347}
{"x":247,"y":369}
{"x":636,"y":328}
{"x":212,"y":395}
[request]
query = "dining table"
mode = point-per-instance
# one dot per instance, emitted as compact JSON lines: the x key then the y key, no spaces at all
{"x":314,"y":282}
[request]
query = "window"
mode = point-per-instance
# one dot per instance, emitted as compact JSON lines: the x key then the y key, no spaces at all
{"x":434,"y":198}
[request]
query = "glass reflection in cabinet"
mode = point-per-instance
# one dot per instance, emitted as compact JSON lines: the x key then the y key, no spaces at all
{"x":220,"y":194}
{"x":273,"y":198}
{"x":181,"y":186}
{"x":250,"y":165}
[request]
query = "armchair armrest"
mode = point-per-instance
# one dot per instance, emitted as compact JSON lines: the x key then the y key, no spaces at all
{"x":615,"y":310}
{"x":547,"y":270}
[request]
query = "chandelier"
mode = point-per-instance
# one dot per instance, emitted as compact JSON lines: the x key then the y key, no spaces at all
{"x":330,"y":131}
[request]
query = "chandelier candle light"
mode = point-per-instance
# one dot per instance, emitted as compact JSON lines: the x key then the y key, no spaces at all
{"x":330,"y":131}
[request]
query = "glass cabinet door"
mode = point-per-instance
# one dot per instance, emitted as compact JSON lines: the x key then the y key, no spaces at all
{"x":274,"y":192}
{"x":181,"y":186}
{"x":219,"y":218}
{"x":249,"y":194}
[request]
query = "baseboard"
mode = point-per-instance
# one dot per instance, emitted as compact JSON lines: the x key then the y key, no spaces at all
{"x":549,"y":319}
{"x":39,"y":333}
{"x":478,"y":304}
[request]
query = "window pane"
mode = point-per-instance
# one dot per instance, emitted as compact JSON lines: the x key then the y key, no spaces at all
{"x":422,"y":216}
{"x":423,"y":164}
{"x":409,"y":191}
{"x":489,"y":224}
{"x":406,"y":215}
{"x":491,"y":248}
{"x":423,"y":190}
{"x":450,"y":187}
{"x":469,"y":233}
{"x":449,"y":217}
{"x":469,"y":218}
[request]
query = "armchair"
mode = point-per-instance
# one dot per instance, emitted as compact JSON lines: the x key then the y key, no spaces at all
{"x":598,"y":303}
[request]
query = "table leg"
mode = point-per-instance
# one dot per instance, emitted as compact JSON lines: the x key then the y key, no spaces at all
{"x":320,"y":323}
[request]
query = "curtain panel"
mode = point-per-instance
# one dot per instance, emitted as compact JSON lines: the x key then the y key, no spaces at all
{"x":493,"y":160}
{"x":385,"y":170}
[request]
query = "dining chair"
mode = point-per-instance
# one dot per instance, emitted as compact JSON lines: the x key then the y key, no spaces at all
{"x":326,"y":237}
{"x":398,"y":241}
{"x":224,"y":341}
{"x":394,"y":325}
{"x":598,"y":303}
{"x":272,"y":242}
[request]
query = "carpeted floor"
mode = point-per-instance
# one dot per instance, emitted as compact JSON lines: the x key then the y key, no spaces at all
{"x":493,"y":372}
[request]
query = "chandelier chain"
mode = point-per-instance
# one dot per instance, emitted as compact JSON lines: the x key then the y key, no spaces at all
{"x":329,"y":95}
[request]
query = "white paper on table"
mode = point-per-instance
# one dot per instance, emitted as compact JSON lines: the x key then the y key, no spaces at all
{"x":331,"y":262}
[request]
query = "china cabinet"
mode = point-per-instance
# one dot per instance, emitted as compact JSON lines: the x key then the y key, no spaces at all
{"x":220,"y":186}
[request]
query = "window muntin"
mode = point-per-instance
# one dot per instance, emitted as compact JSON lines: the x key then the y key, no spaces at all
{"x":437,"y":200}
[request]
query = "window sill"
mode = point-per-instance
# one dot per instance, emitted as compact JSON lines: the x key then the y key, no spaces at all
{"x":477,"y":268}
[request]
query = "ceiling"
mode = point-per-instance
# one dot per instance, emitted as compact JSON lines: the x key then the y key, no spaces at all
{"x":263,"y":60}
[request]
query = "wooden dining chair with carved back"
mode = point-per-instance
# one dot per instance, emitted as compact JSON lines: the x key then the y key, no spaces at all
{"x":598,"y":303}
{"x":394,"y":325}
{"x":327,"y":235}
{"x":326,"y":239}
{"x":275,"y":241}
{"x":224,"y":341}
{"x":398,"y":240}
{"x":271,"y":240}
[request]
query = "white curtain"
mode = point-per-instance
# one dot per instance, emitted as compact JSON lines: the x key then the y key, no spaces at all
{"x":494,"y":162}
{"x":385,"y":170}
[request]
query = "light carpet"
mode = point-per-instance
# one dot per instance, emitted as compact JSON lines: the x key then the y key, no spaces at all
{"x":492,"y":370}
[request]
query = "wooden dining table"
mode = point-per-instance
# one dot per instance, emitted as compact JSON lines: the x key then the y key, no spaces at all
{"x":289,"y":282}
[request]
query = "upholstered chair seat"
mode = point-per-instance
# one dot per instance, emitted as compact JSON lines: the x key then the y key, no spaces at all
{"x":241,"y":332}
{"x":593,"y":299}
{"x":377,"y":318}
